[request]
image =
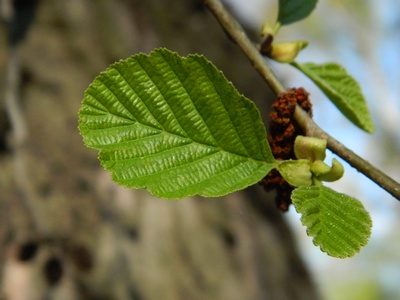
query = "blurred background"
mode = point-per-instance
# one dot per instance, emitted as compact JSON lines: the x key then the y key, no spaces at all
{"x":68,"y":232}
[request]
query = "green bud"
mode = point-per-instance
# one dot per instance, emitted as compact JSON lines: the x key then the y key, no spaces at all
{"x":267,"y":29}
{"x":310,"y":148}
{"x":296,"y":172}
{"x":286,"y":52}
{"x":318,"y":168}
{"x":336,"y":172}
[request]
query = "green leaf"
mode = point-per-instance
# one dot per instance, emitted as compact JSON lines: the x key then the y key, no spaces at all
{"x":310,"y":148}
{"x":175,"y":126}
{"x":291,"y":11}
{"x":342,"y":89}
{"x":296,"y":172}
{"x":339,"y":224}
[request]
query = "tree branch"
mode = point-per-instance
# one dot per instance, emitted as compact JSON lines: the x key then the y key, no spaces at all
{"x":236,"y":32}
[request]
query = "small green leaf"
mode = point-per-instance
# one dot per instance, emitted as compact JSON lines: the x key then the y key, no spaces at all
{"x":335,"y":173}
{"x":342,"y":89}
{"x":308,"y":147}
{"x":296,"y":172}
{"x":175,"y":126}
{"x":318,"y":168}
{"x":339,"y":224}
{"x":291,"y":11}
{"x":286,"y":52}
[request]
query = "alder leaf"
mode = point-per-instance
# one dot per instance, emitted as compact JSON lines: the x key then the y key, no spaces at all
{"x":296,"y":172}
{"x":291,"y":11}
{"x":339,"y":224}
{"x":175,"y":126}
{"x":342,"y":89}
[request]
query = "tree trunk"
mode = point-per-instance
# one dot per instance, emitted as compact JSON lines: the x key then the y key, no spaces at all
{"x":69,"y":232}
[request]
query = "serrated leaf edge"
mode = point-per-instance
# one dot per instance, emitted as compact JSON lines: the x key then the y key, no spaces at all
{"x":267,"y":165}
{"x":309,"y":228}
{"x":338,"y":99}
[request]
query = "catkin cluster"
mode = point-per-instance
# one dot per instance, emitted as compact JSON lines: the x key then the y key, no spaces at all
{"x":282,"y":133}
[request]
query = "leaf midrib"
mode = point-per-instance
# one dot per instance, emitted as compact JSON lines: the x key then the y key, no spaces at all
{"x":190,"y":141}
{"x":193,"y":103}
{"x":134,"y":120}
{"x":199,"y":182}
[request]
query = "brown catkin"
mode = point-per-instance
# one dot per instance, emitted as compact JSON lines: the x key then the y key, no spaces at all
{"x":282,"y":133}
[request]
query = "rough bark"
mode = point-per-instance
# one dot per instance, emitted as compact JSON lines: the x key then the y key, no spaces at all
{"x":69,"y":232}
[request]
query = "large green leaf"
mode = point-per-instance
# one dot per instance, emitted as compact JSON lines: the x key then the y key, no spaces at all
{"x":175,"y":126}
{"x":291,"y":11}
{"x":342,"y":89}
{"x":339,"y":224}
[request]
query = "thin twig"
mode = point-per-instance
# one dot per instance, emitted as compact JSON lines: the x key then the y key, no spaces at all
{"x":236,"y":32}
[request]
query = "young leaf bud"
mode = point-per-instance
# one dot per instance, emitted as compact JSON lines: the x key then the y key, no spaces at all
{"x":286,"y":52}
{"x":336,"y":172}
{"x":296,"y":172}
{"x":267,"y":29}
{"x":310,"y":148}
{"x":318,"y":168}
{"x":268,"y":33}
